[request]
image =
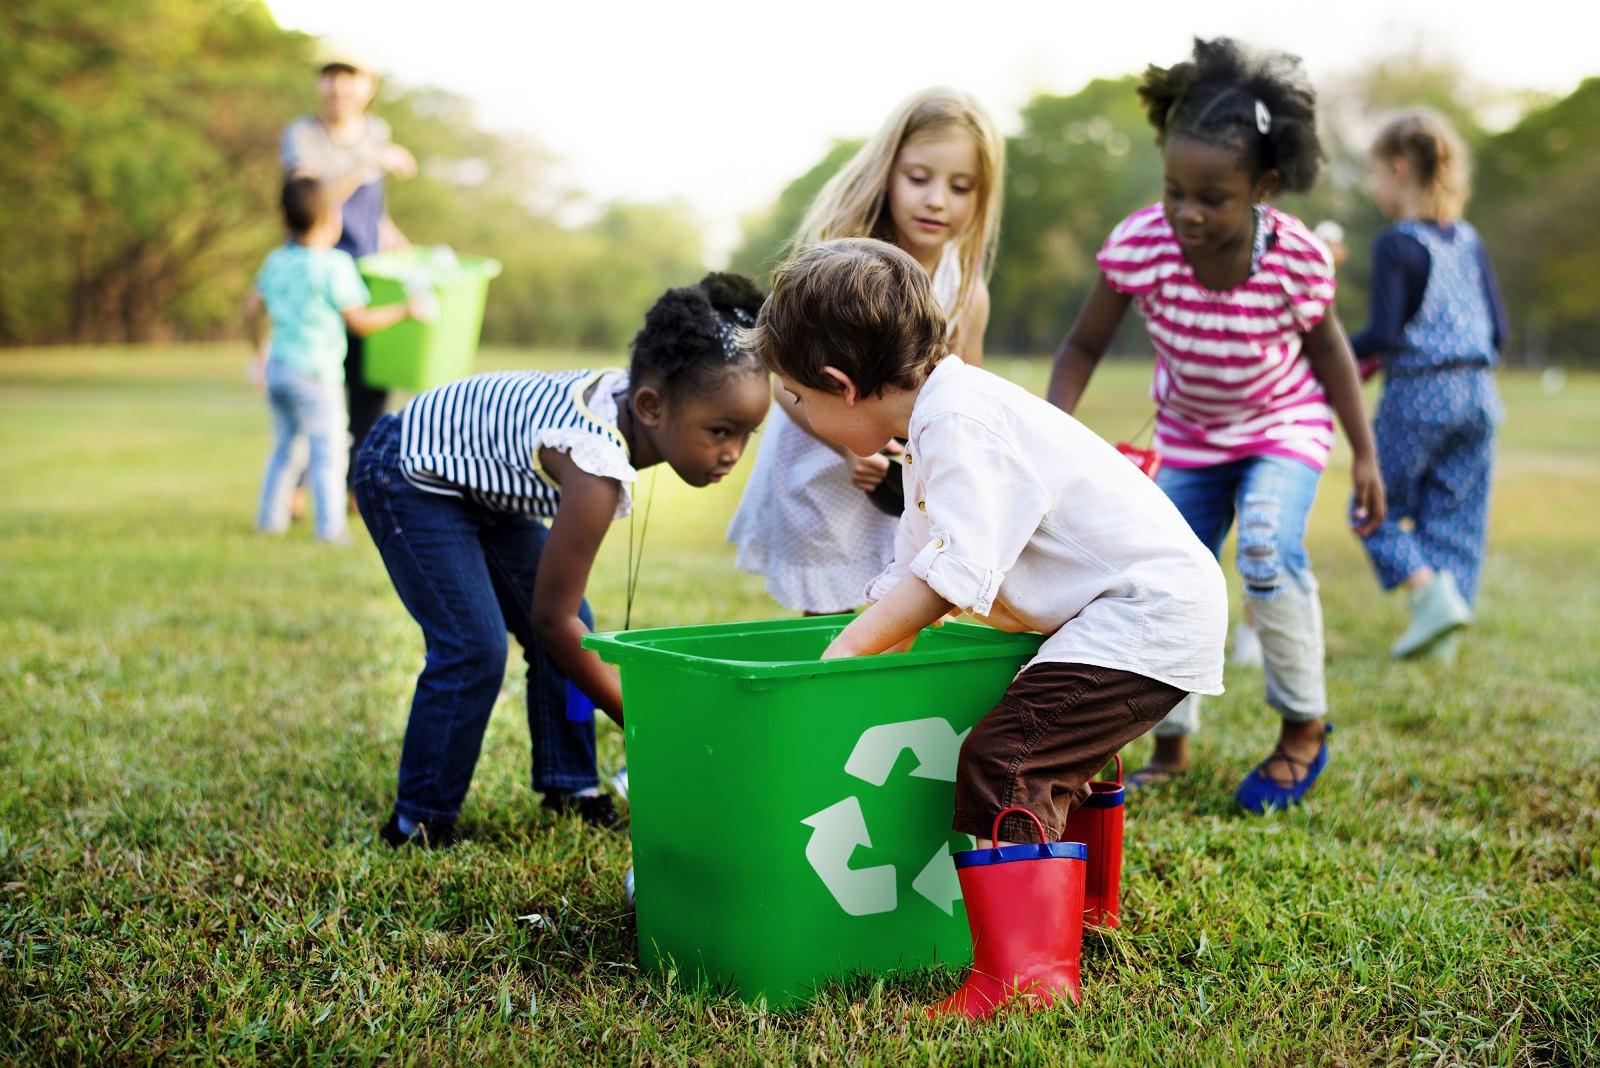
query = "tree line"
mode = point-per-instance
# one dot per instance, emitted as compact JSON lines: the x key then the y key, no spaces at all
{"x":139,"y":178}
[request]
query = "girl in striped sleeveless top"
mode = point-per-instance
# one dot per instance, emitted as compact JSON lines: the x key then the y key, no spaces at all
{"x":1436,"y":326}
{"x":928,"y":181}
{"x":456,"y":490}
{"x":1237,"y":298}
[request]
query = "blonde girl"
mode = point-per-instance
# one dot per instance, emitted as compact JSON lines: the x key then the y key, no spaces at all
{"x":1435,"y":328}
{"x":929,"y":181}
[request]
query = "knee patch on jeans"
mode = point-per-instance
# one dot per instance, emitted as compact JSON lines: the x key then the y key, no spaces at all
{"x":1260,"y":567}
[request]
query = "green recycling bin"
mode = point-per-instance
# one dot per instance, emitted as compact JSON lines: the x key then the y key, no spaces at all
{"x":414,"y":355}
{"x":791,"y":818}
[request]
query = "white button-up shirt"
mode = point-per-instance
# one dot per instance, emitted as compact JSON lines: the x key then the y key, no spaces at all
{"x":1021,"y":515}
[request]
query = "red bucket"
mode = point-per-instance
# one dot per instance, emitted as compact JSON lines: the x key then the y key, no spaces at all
{"x":1146,"y":460}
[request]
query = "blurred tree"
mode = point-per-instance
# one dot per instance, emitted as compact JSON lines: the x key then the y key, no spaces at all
{"x":1534,"y":205}
{"x":494,"y":195}
{"x":137,"y":162}
{"x":1080,"y":165}
{"x":767,"y":235}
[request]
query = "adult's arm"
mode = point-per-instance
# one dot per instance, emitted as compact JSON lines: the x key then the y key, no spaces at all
{"x":1335,"y":367}
{"x":1102,"y":312}
{"x":588,"y":505}
{"x":300,"y":159}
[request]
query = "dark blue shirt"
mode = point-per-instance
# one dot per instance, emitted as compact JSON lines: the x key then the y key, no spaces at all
{"x":1400,"y":270}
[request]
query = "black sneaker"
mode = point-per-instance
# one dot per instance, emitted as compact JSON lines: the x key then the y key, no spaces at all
{"x":429,"y":834}
{"x":597,"y":810}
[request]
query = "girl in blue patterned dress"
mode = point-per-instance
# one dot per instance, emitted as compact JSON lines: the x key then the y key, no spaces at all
{"x":1436,"y":324}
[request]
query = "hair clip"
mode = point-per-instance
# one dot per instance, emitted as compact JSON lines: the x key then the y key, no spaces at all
{"x":1263,"y":119}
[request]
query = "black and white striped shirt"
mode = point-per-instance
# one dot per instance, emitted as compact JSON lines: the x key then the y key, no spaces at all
{"x":479,"y":438}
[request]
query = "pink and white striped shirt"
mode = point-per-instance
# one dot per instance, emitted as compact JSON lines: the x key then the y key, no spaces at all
{"x":1231,"y":379}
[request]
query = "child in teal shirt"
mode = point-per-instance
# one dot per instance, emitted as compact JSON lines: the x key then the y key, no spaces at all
{"x":312,"y":293}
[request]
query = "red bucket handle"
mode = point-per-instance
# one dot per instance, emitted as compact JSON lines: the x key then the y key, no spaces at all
{"x":994,"y":833}
{"x":1118,"y":759}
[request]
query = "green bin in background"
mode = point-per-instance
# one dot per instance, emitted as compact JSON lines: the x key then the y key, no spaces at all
{"x":791,"y":818}
{"x":413,"y":355}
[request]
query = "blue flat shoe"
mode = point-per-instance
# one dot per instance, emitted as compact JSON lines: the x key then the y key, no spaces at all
{"x":1259,"y":792}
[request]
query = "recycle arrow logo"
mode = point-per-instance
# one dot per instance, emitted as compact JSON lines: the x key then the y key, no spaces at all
{"x":838,"y":829}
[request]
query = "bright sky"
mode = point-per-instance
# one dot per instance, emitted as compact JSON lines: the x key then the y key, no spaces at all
{"x":722,"y":103}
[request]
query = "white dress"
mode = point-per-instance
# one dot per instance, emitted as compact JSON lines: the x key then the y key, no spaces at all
{"x":801,"y":523}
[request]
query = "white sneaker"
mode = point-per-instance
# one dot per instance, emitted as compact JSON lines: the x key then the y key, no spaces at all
{"x":619,"y":782}
{"x":1246,"y":647}
{"x":627,"y":885}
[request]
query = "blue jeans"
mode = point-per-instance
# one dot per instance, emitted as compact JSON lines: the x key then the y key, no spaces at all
{"x":466,"y":576}
{"x":1271,"y":497}
{"x":311,"y":408}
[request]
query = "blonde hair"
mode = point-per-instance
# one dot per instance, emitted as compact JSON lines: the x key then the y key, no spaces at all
{"x":855,"y":202}
{"x":1439,"y":162}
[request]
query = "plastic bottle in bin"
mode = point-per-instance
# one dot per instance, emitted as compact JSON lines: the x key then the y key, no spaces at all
{"x":420,"y":294}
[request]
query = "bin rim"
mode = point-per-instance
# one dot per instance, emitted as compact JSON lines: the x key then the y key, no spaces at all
{"x":479,"y":266}
{"x":631,"y":645}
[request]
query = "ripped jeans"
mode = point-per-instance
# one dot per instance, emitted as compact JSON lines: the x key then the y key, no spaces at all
{"x":1271,"y":497}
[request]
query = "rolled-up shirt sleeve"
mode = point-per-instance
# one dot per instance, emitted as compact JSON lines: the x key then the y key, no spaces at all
{"x":982,"y":504}
{"x":906,"y":544}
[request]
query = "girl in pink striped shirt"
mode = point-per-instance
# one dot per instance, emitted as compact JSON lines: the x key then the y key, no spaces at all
{"x":1251,"y":367}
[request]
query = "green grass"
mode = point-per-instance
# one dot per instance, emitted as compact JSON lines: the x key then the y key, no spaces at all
{"x":199,"y":729}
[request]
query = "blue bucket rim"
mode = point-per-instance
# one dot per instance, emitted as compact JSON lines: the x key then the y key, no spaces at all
{"x":974,"y":858}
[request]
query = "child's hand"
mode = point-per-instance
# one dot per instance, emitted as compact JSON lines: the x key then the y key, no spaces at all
{"x":423,"y":307}
{"x":866,"y":472}
{"x":397,"y":161}
{"x":1368,"y":367}
{"x":1367,"y":505}
{"x":257,"y":370}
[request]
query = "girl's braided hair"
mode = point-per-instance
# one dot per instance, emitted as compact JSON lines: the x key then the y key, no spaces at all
{"x":1260,"y":103}
{"x":688,"y":343}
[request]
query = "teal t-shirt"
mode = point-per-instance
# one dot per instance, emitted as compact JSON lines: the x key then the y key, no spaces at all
{"x":306,"y":291}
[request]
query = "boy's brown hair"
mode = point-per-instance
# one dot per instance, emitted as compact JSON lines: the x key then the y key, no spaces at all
{"x":857,"y":304}
{"x":303,"y":204}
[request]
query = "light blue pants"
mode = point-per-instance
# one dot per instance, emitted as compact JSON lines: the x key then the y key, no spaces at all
{"x":311,"y":409}
{"x":1271,"y":496}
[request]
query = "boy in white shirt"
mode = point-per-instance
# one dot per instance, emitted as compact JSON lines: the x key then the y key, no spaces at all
{"x":1016,"y":513}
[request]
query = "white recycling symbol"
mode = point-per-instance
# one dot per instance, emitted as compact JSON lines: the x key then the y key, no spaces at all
{"x":839,"y":828}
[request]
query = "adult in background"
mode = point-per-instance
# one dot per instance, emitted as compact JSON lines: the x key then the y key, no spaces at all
{"x":349,"y":151}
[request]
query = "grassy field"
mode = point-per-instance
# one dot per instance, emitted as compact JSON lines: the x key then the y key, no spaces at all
{"x":199,"y":729}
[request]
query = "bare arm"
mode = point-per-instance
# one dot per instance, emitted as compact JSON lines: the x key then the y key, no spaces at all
{"x":259,"y":337}
{"x":891,"y":624}
{"x":254,"y":320}
{"x":363,"y":320}
{"x":968,"y":341}
{"x":390,"y":239}
{"x":389,"y":157}
{"x":1085,"y":343}
{"x":1335,"y":367}
{"x":588,"y":504}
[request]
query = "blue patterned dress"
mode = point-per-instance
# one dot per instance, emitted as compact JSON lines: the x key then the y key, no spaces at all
{"x":1435,"y":425}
